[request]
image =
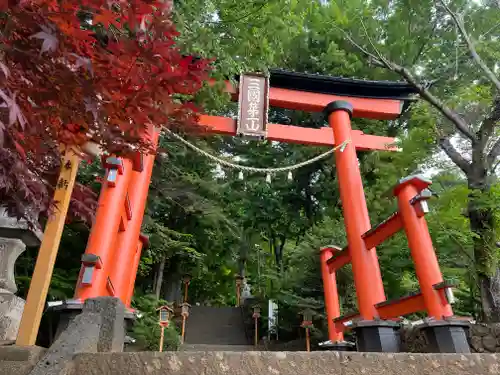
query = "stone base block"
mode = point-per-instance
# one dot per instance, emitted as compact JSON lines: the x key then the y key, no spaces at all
{"x":377,"y":336}
{"x":11,"y":312}
{"x":446,"y":336}
{"x":99,"y":328}
{"x":64,"y":312}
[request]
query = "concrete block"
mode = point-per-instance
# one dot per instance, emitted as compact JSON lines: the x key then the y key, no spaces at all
{"x":112,"y":330}
{"x":30,"y":354}
{"x":100,"y":327}
{"x":17,"y":360}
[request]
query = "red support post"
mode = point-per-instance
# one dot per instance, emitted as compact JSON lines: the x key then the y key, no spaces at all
{"x":126,"y":243}
{"x":372,"y":252}
{"x":365,"y":267}
{"x":140,"y":245}
{"x":421,"y":248}
{"x":332,"y":303}
{"x":102,"y":238}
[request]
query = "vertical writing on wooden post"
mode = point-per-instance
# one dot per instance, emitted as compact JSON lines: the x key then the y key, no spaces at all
{"x":253,"y":105}
{"x":40,"y":281}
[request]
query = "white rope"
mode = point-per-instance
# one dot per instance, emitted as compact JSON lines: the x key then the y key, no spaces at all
{"x":254,"y":169}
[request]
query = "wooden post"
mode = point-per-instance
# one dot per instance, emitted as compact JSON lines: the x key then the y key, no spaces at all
{"x":256,"y":316}
{"x":332,"y":302}
{"x":162,"y":335}
{"x":422,"y":250}
{"x":365,"y":268}
{"x":185,"y":313}
{"x":256,"y":338}
{"x":239,"y":281}
{"x":308,"y":340}
{"x":186,"y":292}
{"x":186,"y":279}
{"x":307,"y":323}
{"x":183,"y":330}
{"x":165,"y":313}
{"x":42,"y":275}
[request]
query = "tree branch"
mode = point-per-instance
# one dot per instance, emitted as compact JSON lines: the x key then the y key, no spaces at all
{"x":425,"y":44}
{"x":493,"y":170}
{"x":489,"y":123}
{"x":454,"y":155}
{"x":486,"y":131}
{"x":472,"y":49}
{"x":424,"y":92}
{"x":447,"y":112}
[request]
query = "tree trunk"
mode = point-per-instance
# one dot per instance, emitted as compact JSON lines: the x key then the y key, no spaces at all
{"x":279,"y":252}
{"x":159,"y":277}
{"x":173,"y":283}
{"x":243,"y":257}
{"x":482,"y":225}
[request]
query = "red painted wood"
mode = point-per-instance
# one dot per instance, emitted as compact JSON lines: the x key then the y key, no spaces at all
{"x":389,"y":311}
{"x":380,"y":109}
{"x":332,"y":302}
{"x":297,"y":134}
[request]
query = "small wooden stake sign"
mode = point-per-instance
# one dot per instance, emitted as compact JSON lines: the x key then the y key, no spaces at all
{"x":185,"y":313}
{"x":307,"y":324}
{"x":256,"y":316}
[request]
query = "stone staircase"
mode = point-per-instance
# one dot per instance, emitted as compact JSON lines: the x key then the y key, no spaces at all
{"x":215,"y":329}
{"x":216,"y":348}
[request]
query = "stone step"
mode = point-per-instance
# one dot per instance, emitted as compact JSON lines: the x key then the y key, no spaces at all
{"x":215,"y":326}
{"x":17,"y":360}
{"x":215,"y":348}
{"x":15,"y":367}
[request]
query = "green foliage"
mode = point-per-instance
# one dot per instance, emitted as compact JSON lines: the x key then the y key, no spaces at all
{"x":146,"y":329}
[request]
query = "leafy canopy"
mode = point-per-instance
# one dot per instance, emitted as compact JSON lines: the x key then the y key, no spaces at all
{"x":74,"y":71}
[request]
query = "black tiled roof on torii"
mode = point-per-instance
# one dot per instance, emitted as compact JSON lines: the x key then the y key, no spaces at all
{"x":341,"y":86}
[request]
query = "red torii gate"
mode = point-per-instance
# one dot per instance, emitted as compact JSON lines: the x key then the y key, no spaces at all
{"x":110,"y":262}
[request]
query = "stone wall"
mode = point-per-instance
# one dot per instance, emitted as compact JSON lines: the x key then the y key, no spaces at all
{"x":284,"y":363}
{"x":15,"y":360}
{"x":482,"y":339}
{"x":20,"y":361}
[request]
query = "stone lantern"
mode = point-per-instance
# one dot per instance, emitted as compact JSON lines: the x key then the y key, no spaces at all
{"x":15,"y":236}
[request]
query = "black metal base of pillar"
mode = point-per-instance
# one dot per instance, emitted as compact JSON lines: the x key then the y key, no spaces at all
{"x":446,"y":336}
{"x":377,"y":336}
{"x":339,"y":346}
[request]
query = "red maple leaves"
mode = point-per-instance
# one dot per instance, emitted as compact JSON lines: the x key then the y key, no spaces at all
{"x":107,"y":18}
{"x":78,"y":70}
